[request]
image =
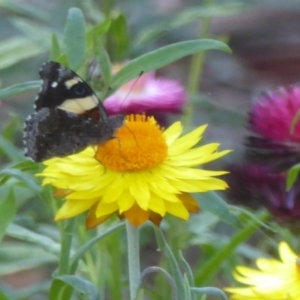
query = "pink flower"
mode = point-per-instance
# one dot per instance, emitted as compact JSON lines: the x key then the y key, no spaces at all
{"x":273,"y":115}
{"x":275,"y":128}
{"x":147,"y":94}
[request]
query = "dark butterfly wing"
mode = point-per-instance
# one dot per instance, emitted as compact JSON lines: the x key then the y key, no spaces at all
{"x":68,"y":117}
{"x":54,"y":132}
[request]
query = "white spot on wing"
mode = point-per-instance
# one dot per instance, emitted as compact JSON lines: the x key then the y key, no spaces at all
{"x":54,"y":84}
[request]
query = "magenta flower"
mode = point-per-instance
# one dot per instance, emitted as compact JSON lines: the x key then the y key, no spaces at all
{"x":149,"y":95}
{"x":271,"y":120}
{"x":273,"y":114}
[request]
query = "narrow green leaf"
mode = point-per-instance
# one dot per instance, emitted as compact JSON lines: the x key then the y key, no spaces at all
{"x":169,"y":278}
{"x":211,"y":267}
{"x":36,"y":33}
{"x":17,"y":256}
{"x":8,"y":209}
{"x":23,"y":177}
{"x":19,"y":88}
{"x":213,"y":203}
{"x":55,"y":48}
{"x":162,"y":57}
{"x":74,"y":37}
{"x":162,"y":243}
{"x":292,"y":176}
{"x":118,"y":38}
{"x":24,"y":234}
{"x":186,"y":16}
{"x":209,"y":290}
{"x":27,"y":165}
{"x":84,"y":287}
{"x":64,"y":60}
{"x":28,"y":10}
{"x":96,"y":32}
{"x":11,"y":127}
{"x":103,"y":62}
{"x":84,"y":248}
{"x":60,"y":290}
{"x":12,"y":50}
{"x":188,"y":273}
{"x":10,"y":150}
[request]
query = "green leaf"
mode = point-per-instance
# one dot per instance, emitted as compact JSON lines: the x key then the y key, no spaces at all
{"x":37,"y":33}
{"x":163,"y":245}
{"x":169,"y":278}
{"x":55,"y":48}
{"x":86,"y":247}
{"x":96,"y":32}
{"x":23,"y":177}
{"x":212,"y":266}
{"x":11,"y":151}
{"x":162,"y":57}
{"x":292,"y":176}
{"x":209,"y":290}
{"x":11,"y":127}
{"x":17,"y":256}
{"x":8,"y":209}
{"x":12,"y":50}
{"x":74,"y":37}
{"x":186,"y":16}
{"x":64,"y":60}
{"x":118,"y":38}
{"x":213,"y":203}
{"x":60,"y":290}
{"x":24,"y":234}
{"x":28,"y":10}
{"x":19,"y":88}
{"x":188,"y":273}
{"x":84,"y":287}
{"x":27,"y":165}
{"x":103,"y":62}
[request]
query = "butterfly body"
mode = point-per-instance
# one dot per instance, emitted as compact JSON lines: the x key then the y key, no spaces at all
{"x":68,"y":116}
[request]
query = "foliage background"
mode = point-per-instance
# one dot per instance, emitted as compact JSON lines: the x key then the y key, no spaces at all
{"x":263,"y":36}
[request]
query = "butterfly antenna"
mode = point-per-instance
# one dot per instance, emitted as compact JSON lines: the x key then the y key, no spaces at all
{"x":132,"y":86}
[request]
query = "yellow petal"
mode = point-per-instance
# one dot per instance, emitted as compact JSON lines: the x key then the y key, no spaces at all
{"x":73,"y":208}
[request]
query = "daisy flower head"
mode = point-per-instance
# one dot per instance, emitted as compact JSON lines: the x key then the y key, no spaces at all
{"x":142,"y":174}
{"x":147,"y":94}
{"x":274,"y":120}
{"x":273,"y":280}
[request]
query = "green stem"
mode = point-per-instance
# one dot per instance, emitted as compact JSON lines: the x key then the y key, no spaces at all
{"x":197,"y":63}
{"x":66,"y":232}
{"x":66,"y":241}
{"x":133,"y":259}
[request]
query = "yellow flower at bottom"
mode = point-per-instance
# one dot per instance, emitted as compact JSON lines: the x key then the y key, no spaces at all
{"x":275,"y":280}
{"x":142,"y":174}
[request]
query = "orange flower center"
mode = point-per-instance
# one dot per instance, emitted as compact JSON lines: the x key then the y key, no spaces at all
{"x":138,"y":145}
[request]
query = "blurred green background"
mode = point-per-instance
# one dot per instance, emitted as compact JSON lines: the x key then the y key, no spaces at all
{"x":265,"y":41}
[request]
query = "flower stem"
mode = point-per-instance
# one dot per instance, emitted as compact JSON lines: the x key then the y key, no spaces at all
{"x":66,"y":241}
{"x":197,"y":64}
{"x":133,"y":259}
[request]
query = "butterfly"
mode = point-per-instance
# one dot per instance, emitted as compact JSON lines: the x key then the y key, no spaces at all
{"x":68,"y":116}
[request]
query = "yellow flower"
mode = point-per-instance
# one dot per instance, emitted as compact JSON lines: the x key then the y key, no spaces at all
{"x":275,"y":280}
{"x":142,"y":174}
